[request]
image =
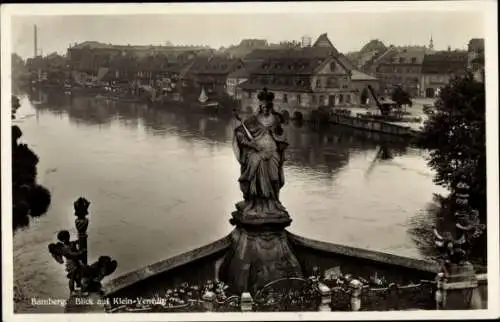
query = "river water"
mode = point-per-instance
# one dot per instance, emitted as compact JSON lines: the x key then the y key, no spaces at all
{"x":163,"y":181}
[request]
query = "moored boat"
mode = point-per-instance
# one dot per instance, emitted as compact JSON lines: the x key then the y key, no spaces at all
{"x":205,"y":103}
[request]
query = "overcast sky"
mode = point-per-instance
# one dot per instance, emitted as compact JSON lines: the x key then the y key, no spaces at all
{"x":348,"y":31}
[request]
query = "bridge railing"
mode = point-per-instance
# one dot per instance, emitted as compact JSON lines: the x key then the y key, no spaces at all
{"x":302,"y":295}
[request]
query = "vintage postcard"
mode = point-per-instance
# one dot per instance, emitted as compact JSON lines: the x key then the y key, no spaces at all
{"x":250,"y":161}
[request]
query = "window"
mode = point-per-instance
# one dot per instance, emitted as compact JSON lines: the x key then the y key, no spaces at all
{"x":333,"y":66}
{"x":318,"y":83}
{"x":285,"y":98}
{"x":414,"y":60}
{"x":401,"y":60}
{"x":348,"y":98}
{"x":249,"y":94}
{"x":321,"y":100}
{"x":298,"y":99}
{"x":313,"y":99}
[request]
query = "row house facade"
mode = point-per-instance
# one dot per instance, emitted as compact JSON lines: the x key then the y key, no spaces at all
{"x":299,"y":83}
{"x":89,"y":57}
{"x":439,"y":68}
{"x":210,"y":73}
{"x":399,"y":66}
{"x":238,"y":77}
{"x":307,"y":77}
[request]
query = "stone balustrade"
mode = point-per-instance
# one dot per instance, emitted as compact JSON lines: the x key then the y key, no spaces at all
{"x":440,"y":294}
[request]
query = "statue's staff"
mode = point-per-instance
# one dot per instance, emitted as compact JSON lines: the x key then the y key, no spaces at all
{"x":243,"y":124}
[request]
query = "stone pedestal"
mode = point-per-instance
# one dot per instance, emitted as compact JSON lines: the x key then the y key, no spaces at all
{"x":260,"y":252}
{"x":460,"y":288}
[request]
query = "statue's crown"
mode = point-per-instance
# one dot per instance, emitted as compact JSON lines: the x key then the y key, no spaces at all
{"x":265,"y":96}
{"x":81,"y":205}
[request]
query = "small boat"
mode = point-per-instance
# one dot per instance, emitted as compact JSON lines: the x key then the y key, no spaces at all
{"x":205,"y":103}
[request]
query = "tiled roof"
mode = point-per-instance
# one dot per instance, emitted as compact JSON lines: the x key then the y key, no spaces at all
{"x":245,"y":71}
{"x":253,"y":43}
{"x":214,"y":65}
{"x":323,"y":39}
{"x":99,"y":45}
{"x":249,"y":86}
{"x":357,"y":75}
{"x":403,"y":55}
{"x":307,"y":52}
{"x":445,"y":62}
{"x":288,"y":66}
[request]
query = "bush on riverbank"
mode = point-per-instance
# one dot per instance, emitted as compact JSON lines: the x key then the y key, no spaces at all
{"x":29,"y":199}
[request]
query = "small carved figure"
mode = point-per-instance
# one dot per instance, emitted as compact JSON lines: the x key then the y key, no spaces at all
{"x":93,"y":274}
{"x":86,"y":277}
{"x":67,"y":249}
{"x":259,"y":145}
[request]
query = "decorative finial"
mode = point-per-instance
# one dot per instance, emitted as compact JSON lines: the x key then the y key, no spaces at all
{"x":81,"y":206}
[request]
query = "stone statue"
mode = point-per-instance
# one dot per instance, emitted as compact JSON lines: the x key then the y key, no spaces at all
{"x":86,"y":277}
{"x":259,"y":145}
{"x":260,"y":251}
{"x":67,"y":249}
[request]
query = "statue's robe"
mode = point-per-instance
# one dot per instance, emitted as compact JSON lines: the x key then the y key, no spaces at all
{"x":261,"y":158}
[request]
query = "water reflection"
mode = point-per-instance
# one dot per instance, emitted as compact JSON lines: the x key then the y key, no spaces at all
{"x":325,"y":149}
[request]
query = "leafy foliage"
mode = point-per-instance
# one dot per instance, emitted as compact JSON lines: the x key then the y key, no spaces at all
{"x":401,"y":97}
{"x":374,"y":45}
{"x":455,"y":134}
{"x":29,"y":198}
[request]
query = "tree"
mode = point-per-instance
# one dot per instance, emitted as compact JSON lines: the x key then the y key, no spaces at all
{"x":401,"y":97}
{"x":373,"y":45}
{"x":456,"y":137}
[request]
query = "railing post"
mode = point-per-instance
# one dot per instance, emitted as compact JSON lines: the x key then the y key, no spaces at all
{"x":246,"y":303}
{"x":326,"y":298}
{"x":355,"y":288}
{"x":439,"y":296}
{"x":209,"y":301}
{"x":460,"y":288}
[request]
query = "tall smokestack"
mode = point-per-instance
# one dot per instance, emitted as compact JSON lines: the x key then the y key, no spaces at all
{"x":36,"y":41}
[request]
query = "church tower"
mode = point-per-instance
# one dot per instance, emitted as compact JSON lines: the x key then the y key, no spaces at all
{"x":431,"y":44}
